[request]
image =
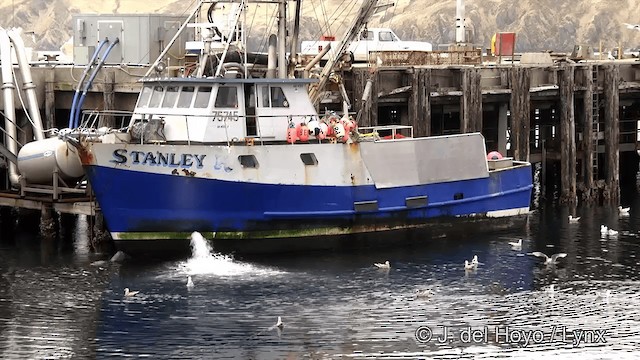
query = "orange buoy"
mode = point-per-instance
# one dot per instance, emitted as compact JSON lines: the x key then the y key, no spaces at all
{"x":303,"y":133}
{"x":494,"y":155}
{"x":292,"y":133}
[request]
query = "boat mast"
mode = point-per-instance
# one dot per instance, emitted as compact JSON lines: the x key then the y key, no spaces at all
{"x":293,"y":45}
{"x":366,"y":10}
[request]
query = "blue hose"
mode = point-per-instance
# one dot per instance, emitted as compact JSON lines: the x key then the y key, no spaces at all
{"x":78,"y":108}
{"x":84,"y":75}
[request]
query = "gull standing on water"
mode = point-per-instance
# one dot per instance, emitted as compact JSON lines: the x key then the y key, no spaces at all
{"x":385,"y":266}
{"x":128,"y":293}
{"x":548,"y":260}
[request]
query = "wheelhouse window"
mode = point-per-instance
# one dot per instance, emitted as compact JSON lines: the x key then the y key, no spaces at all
{"x":143,"y":100}
{"x":227,"y":97}
{"x":202,"y":97}
{"x":185,"y":97}
{"x":367,"y":35}
{"x":273,"y":96}
{"x":170,"y":96}
{"x":156,"y":97}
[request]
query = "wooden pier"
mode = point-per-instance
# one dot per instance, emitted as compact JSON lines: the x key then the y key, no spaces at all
{"x":581,"y":114}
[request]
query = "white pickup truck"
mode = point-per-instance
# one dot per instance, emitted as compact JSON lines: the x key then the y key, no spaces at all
{"x":372,"y":39}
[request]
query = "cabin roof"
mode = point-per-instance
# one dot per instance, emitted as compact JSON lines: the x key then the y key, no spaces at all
{"x":212,"y":80}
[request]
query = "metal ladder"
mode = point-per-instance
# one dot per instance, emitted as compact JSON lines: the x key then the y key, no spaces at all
{"x":595,"y":125}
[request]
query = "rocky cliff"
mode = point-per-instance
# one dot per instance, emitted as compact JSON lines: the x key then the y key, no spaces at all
{"x":540,"y":24}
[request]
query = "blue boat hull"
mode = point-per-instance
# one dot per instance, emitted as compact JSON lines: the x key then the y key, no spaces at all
{"x":248,"y":217}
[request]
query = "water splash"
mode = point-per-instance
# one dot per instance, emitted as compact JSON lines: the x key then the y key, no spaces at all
{"x":205,"y":261}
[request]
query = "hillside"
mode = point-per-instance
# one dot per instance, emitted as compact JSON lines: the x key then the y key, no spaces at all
{"x":539,"y":24}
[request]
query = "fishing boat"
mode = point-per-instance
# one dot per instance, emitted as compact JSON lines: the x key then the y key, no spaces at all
{"x":247,"y":161}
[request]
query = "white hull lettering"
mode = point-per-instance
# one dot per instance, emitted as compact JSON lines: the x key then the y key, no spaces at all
{"x":156,"y":158}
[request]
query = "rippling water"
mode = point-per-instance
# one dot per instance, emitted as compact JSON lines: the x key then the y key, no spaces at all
{"x":57,"y":300}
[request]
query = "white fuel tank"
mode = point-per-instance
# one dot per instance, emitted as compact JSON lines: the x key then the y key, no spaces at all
{"x":38,"y":159}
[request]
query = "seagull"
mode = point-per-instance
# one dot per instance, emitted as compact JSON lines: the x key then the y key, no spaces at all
{"x":190,"y":282}
{"x":279,"y":323}
{"x":128,"y":293}
{"x":623,"y":211}
{"x":632,"y":26}
{"x":383,"y":266}
{"x":474,"y":261}
{"x":573,"y":220}
{"x":603,"y":230}
{"x":550,"y":289}
{"x":612,"y":232}
{"x":469,"y":265}
{"x":548,"y":260}
{"x":516,"y":245}
{"x":424,"y":293}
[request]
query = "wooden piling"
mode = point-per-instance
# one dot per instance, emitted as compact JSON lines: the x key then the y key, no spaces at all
{"x":109,"y":100}
{"x":588,"y":136}
{"x":420,"y":103}
{"x":375,"y":89}
{"x":612,"y":132}
{"x":471,"y":101}
{"x":567,"y":136}
{"x":520,"y":112}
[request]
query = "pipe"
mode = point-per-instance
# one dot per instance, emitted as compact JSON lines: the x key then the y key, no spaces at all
{"x":272,"y":60}
{"x":28,"y":85}
{"x":9,"y":108}
{"x":316,"y":59}
{"x":460,"y":33}
{"x":87,"y":86}
{"x":282,"y":39}
{"x":84,"y":76}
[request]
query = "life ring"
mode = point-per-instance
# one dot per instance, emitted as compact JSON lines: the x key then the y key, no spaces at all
{"x":494,"y":155}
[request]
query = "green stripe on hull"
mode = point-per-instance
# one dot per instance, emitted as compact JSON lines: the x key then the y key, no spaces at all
{"x":267,"y":234}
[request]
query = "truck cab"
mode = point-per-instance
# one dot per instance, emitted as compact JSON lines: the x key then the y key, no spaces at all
{"x":371,"y":39}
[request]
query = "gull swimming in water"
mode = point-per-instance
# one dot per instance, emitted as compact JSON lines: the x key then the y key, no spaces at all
{"x":469,"y":265}
{"x":550,"y":290}
{"x":573,"y":220}
{"x":548,"y":260}
{"x":190,"y":283}
{"x":386,"y":265}
{"x":605,"y":231}
{"x":128,"y":293}
{"x":424,"y":293}
{"x":516,"y":245}
{"x":623,"y":211}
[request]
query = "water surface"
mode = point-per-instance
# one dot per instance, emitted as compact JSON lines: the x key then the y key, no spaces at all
{"x":58,"y":300}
